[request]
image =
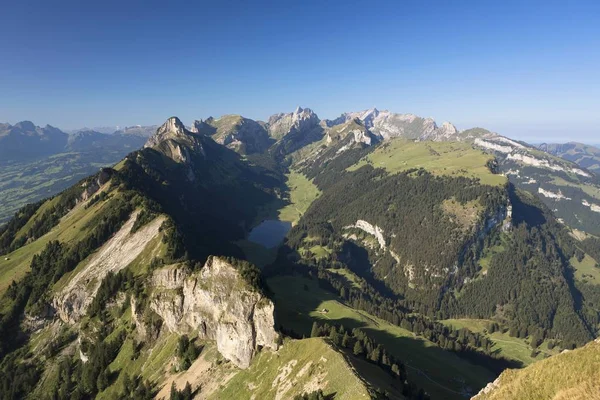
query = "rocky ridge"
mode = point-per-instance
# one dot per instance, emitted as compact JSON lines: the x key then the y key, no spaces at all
{"x":219,"y":305}
{"x":387,"y":125}
{"x":302,"y":119}
{"x":176,"y":142}
{"x":241,"y":134}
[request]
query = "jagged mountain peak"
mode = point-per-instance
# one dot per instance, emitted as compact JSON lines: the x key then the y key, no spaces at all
{"x":300,"y":120}
{"x":449,"y":127}
{"x":173,"y":128}
{"x":172,"y":125}
{"x":303,"y":111}
{"x":441,"y":133}
{"x":176,"y":142}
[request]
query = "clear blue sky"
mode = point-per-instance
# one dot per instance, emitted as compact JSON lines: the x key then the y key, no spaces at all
{"x":530,"y":71}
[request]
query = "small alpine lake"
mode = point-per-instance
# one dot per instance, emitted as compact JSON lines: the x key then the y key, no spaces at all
{"x":270,"y":232}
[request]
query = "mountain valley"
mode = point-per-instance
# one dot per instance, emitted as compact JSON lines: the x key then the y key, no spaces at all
{"x":418,"y":261}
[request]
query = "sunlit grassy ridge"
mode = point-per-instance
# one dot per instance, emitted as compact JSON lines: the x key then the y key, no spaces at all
{"x":510,"y":347}
{"x":72,"y":227}
{"x":441,"y":373}
{"x":439,"y":158}
{"x":573,"y":375}
{"x":300,"y":366}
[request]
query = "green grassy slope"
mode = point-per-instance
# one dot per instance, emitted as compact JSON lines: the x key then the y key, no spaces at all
{"x":440,"y":373}
{"x":585,"y":270}
{"x":440,"y":158}
{"x":300,"y":366}
{"x":573,"y":375}
{"x":510,"y":347}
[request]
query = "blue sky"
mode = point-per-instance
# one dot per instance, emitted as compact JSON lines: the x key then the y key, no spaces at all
{"x":530,"y":71}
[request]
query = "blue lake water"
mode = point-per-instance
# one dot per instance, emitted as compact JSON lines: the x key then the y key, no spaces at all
{"x":270,"y":232}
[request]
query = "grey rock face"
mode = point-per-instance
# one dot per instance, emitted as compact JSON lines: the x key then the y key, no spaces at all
{"x":387,"y":125}
{"x":302,"y":119}
{"x":240,"y":134}
{"x":176,"y":142}
{"x":219,"y":305}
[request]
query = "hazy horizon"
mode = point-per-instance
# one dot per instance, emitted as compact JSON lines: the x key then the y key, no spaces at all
{"x":533,"y":134}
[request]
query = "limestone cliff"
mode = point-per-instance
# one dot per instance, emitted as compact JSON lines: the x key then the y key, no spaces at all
{"x":219,"y":304}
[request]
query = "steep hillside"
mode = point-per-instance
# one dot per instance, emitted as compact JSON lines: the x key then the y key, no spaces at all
{"x":301,"y":366}
{"x":571,"y":191}
{"x":572,"y":375}
{"x":432,"y":226}
{"x":119,"y":237}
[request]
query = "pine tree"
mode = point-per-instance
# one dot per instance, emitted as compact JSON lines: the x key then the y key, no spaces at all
{"x":102,"y":381}
{"x":187,"y":392}
{"x":334,"y":336}
{"x":346,"y":340}
{"x":358,"y":348}
{"x":316,"y":330}
{"x":174,"y":392}
{"x":375,"y":354}
{"x":535,"y":340}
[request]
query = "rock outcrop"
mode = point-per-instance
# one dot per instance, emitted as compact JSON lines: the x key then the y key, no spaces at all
{"x":371,"y":229}
{"x":354,"y":129}
{"x":91,"y":187}
{"x":219,"y":304}
{"x":302,"y":119}
{"x":240,"y":134}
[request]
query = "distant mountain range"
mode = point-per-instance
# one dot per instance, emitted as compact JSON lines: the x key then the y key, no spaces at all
{"x":37,"y":162}
{"x":26,"y":141}
{"x":585,"y":155}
